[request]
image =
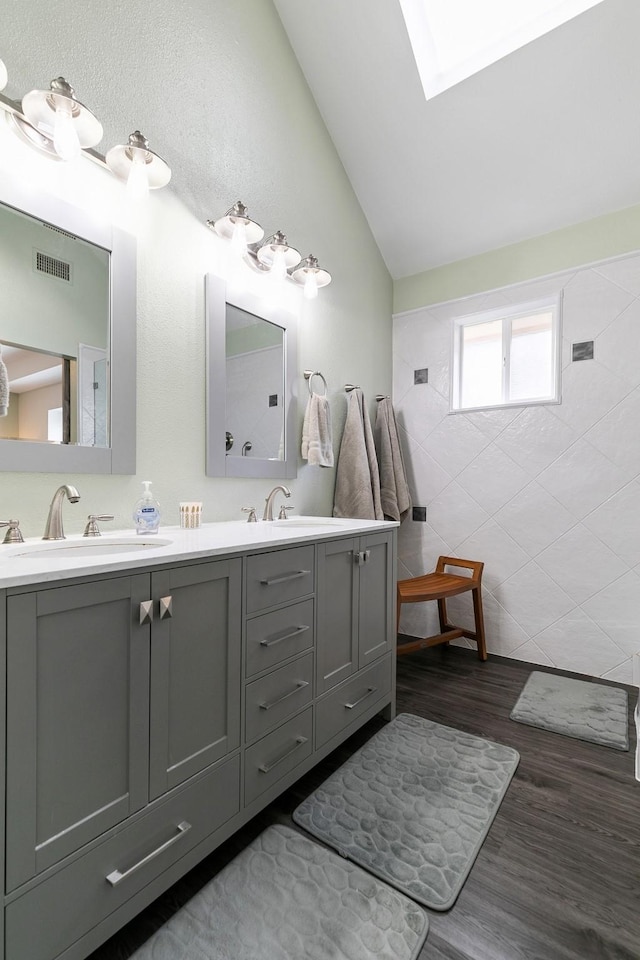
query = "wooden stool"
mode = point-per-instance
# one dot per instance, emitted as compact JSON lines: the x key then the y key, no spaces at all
{"x":438,"y":586}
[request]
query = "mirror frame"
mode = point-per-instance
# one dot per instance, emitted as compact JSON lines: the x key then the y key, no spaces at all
{"x":120,"y":457}
{"x":217,"y":463}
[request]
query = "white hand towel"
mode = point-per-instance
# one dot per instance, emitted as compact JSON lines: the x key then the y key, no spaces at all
{"x":394,"y":489}
{"x":357,"y":493}
{"x":4,"y":389}
{"x":317,"y":438}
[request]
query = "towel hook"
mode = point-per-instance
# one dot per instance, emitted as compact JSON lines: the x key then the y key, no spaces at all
{"x":381,"y":396}
{"x":309,"y":375}
{"x":351,"y":386}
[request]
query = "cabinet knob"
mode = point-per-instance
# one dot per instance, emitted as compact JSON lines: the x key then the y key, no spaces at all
{"x":146,"y":612}
{"x":166,"y":608}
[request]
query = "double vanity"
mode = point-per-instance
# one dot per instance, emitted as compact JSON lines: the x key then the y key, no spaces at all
{"x":160,"y":691}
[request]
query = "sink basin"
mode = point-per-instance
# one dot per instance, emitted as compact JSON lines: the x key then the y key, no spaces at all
{"x":90,"y":548}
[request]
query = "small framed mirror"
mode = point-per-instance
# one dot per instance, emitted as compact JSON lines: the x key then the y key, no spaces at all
{"x":251,"y":379}
{"x":67,"y":337}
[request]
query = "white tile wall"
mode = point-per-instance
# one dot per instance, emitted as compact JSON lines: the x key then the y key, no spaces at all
{"x":548,"y":497}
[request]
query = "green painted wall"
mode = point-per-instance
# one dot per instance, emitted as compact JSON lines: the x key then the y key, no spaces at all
{"x":215,"y":87}
{"x":608,"y":236}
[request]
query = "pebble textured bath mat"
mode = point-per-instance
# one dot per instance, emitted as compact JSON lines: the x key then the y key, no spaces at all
{"x":576,"y":708}
{"x":413,"y":806}
{"x":287,"y":898}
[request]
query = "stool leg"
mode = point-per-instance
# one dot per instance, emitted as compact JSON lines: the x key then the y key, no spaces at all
{"x":479,"y":618}
{"x":442,"y":614}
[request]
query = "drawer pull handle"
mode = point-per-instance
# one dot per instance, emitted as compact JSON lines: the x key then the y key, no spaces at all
{"x":285,"y":577}
{"x":299,"y":686}
{"x":270,"y":641}
{"x":268,"y":767}
{"x":370,"y":690}
{"x":116,"y":877}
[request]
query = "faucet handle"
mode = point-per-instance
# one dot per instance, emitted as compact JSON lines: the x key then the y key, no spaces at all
{"x":283,"y":512}
{"x":92,"y":529}
{"x":252,"y":518}
{"x":14,"y":533}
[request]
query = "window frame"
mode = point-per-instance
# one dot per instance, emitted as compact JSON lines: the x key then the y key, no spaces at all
{"x":508,"y":313}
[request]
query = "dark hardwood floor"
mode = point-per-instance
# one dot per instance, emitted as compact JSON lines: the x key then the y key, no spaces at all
{"x":558,"y":877}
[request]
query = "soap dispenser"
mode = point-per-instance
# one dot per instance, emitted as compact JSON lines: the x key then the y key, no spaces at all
{"x":146,"y":514}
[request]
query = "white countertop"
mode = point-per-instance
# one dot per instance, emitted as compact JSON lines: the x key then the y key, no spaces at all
{"x":42,"y":561}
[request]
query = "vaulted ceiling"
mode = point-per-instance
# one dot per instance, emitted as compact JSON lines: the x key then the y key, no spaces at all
{"x":547,"y":137}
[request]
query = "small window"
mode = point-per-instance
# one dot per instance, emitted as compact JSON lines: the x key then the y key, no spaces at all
{"x":507,"y":357}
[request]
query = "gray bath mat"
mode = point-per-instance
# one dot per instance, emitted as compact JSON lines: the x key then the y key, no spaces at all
{"x":575,"y":708}
{"x":287,"y":898}
{"x":413,"y":806}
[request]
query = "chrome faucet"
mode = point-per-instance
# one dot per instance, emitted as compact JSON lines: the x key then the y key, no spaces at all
{"x":53,"y":529}
{"x":268,"y":506}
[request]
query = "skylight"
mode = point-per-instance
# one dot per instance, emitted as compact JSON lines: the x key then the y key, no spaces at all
{"x":453,"y":39}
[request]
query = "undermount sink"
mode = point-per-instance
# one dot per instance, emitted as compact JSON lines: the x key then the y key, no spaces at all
{"x":90,"y":548}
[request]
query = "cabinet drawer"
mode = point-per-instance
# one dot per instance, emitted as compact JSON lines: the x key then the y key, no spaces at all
{"x":80,"y":895}
{"x":277,"y":577}
{"x":351,"y":699}
{"x":275,"y":697}
{"x":277,"y":754}
{"x":276,"y":636}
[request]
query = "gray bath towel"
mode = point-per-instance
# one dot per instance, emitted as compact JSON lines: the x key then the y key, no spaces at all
{"x":4,"y":389}
{"x":394,"y":489}
{"x":317,"y":438}
{"x":357,"y":493}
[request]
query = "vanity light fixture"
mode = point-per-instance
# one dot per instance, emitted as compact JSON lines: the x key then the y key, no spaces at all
{"x":57,"y":123}
{"x":311,"y":275}
{"x":277,"y":256}
{"x":61,"y":119}
{"x":139,"y":167}
{"x":238,"y":227}
{"x":273,"y":255}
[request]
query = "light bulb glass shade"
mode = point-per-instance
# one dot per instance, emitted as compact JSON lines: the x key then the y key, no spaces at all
{"x":120,"y":160}
{"x":276,"y":252}
{"x":65,"y":138}
{"x":137,"y":181}
{"x":311,"y":276}
{"x":278,"y":268}
{"x":48,"y":110}
{"x":4,"y":76}
{"x":234,"y":217}
{"x":311,"y":286}
{"x":239,"y":239}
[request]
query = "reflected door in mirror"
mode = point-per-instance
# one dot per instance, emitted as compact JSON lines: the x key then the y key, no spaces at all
{"x":255,"y":385}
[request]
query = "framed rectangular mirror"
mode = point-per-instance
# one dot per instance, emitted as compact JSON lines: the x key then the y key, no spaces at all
{"x":251,"y":380}
{"x":67,"y":337}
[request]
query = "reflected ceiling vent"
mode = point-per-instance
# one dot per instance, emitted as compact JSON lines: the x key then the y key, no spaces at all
{"x":44,"y":263}
{"x":64,"y":233}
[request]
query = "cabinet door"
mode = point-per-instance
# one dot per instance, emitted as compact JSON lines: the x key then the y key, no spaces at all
{"x":376,"y":597}
{"x":77,"y":718}
{"x":195,"y":670}
{"x":337,"y":643}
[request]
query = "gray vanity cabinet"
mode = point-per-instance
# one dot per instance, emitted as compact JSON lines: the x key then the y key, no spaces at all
{"x":106,"y":713}
{"x":195,"y":670}
{"x":355,"y":606}
{"x":151,"y":714}
{"x":77,"y":718}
